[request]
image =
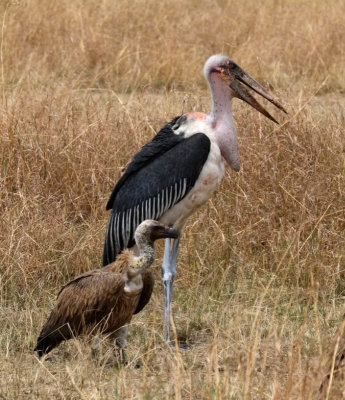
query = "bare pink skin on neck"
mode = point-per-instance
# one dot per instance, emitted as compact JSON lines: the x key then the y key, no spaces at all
{"x":196,"y":115}
{"x":223,"y":122}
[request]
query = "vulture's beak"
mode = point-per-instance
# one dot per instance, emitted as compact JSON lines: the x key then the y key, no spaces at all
{"x":161,"y":231}
{"x":170,"y":232}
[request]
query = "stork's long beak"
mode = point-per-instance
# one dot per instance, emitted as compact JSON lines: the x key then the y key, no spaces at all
{"x":237,"y":75}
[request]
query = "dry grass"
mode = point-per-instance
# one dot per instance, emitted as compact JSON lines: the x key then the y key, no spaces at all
{"x":261,"y":278}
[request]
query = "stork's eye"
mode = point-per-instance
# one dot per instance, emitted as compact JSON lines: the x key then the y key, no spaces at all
{"x":222,"y":69}
{"x":218,"y":70}
{"x":226,"y":66}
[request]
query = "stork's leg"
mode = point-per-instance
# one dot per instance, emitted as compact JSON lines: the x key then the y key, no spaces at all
{"x":168,"y":276}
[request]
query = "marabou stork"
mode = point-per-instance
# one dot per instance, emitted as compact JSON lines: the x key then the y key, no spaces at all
{"x":104,"y":300}
{"x":177,"y":172}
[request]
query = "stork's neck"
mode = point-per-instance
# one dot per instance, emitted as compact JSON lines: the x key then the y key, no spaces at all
{"x":223,"y":122}
{"x":146,"y":256}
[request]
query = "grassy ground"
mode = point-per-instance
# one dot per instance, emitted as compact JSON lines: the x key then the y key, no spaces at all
{"x":261,"y":281}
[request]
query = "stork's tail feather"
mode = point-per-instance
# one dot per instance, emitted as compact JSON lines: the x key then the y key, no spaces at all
{"x":109,"y":252}
{"x":115,"y":240}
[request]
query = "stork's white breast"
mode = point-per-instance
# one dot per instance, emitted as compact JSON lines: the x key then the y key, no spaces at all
{"x":209,"y":178}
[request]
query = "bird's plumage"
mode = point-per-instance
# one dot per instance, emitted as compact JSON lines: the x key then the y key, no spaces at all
{"x":177,"y":172}
{"x":167,"y":161}
{"x":95,"y":301}
{"x":104,"y":300}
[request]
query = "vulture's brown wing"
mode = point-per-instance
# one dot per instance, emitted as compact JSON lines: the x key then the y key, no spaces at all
{"x":81,"y":303}
{"x":79,"y":278}
{"x":91,"y":295}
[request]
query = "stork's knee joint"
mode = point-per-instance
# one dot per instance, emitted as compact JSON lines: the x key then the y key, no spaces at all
{"x":168,"y":276}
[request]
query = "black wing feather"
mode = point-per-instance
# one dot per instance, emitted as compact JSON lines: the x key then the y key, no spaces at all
{"x":160,"y":175}
{"x":162,"y":142}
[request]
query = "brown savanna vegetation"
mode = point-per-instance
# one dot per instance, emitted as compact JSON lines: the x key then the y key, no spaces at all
{"x":261,"y":283}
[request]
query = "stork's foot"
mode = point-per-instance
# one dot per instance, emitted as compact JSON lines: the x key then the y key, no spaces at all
{"x":180,"y":345}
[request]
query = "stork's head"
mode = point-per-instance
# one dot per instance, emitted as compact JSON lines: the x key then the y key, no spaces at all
{"x":151,"y":230}
{"x":222,"y":68}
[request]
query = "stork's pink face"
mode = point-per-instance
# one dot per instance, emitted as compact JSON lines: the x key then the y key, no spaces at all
{"x":224,"y":72}
{"x":234,"y":76}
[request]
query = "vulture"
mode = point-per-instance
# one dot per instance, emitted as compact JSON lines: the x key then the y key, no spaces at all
{"x":105,"y":299}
